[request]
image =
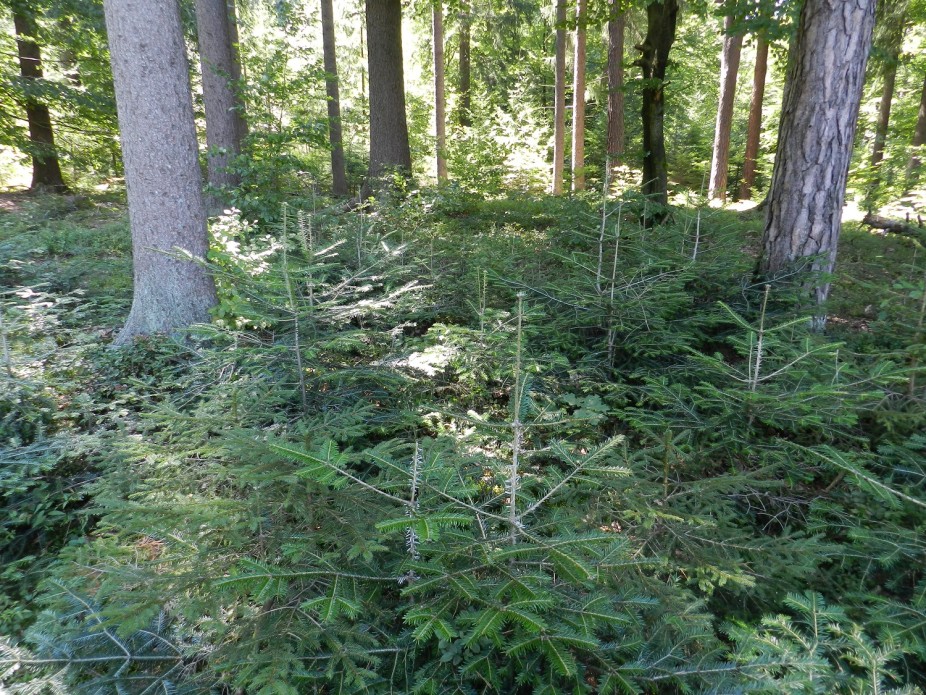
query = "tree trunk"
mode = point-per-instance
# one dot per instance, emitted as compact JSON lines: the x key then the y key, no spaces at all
{"x":578,"y":100}
{"x":660,"y":34}
{"x":818,"y":120}
{"x":335,"y":138}
{"x":159,"y":150}
{"x":389,"y":148}
{"x":465,"y":116}
{"x":440,"y":117}
{"x":884,"y":109}
{"x":754,"y":129}
{"x":919,"y":139}
{"x":221,"y":69}
{"x":559,"y":99}
{"x":616,"y":23}
{"x":46,"y":171}
{"x":729,"y":69}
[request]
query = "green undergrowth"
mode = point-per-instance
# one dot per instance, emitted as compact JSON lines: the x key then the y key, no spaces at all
{"x":456,"y":445}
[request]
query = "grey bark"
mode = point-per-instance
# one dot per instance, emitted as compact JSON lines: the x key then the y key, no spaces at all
{"x":578,"y":100}
{"x":159,"y":151}
{"x":729,"y":70}
{"x":440,"y":102}
{"x":221,"y":71}
{"x":754,"y":128}
{"x":616,"y":23}
{"x":335,"y":136}
{"x":818,"y":120}
{"x":559,"y":99}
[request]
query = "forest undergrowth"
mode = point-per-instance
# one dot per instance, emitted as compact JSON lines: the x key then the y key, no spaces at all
{"x":451,"y":444}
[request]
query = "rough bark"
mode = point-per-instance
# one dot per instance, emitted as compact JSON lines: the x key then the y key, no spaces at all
{"x":221,"y":71}
{"x":754,"y":128}
{"x":559,"y":99}
{"x":818,"y":119}
{"x":919,"y":139}
{"x":440,"y":117}
{"x":661,"y":20}
{"x":389,"y":148}
{"x":159,"y":151}
{"x":465,"y":116}
{"x":335,"y":137}
{"x":729,"y":69}
{"x":616,"y":23}
{"x":46,"y":171}
{"x":578,"y":100}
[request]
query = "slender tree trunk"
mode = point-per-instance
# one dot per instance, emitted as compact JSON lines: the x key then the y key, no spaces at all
{"x":440,"y":117}
{"x":754,"y":129}
{"x":46,"y":171}
{"x":465,"y":116}
{"x":559,"y":99}
{"x":661,"y":19}
{"x":919,"y":139}
{"x":884,"y":109}
{"x":729,"y":69}
{"x":578,"y":100}
{"x":221,"y":69}
{"x":616,"y":23}
{"x":160,"y":153}
{"x":335,"y":138}
{"x":389,"y":148}
{"x":818,"y":120}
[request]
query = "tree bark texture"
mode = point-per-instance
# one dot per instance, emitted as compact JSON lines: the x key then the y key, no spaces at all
{"x":163,"y":179}
{"x":729,"y":70}
{"x":754,"y":128}
{"x":46,"y":170}
{"x":616,"y":23}
{"x":221,"y":71}
{"x":919,"y":139}
{"x":578,"y":99}
{"x":465,"y":114}
{"x":818,"y":120}
{"x":335,"y":137}
{"x":440,"y":105}
{"x":559,"y":99}
{"x":389,"y":148}
{"x":661,"y":21}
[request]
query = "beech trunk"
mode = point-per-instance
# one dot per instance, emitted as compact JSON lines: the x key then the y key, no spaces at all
{"x":616,"y":23}
{"x":729,"y":70}
{"x":578,"y":100}
{"x":335,"y":138}
{"x":754,"y":128}
{"x":559,"y":99}
{"x":440,"y":117}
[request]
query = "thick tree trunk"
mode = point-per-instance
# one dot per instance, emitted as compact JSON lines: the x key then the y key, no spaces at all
{"x":389,"y":148}
{"x":559,"y":99}
{"x":661,"y":22}
{"x":578,"y":100}
{"x":729,"y":69}
{"x":46,"y":171}
{"x":754,"y":128}
{"x":616,"y":23}
{"x":159,"y":150}
{"x":919,"y":139}
{"x":440,"y":117}
{"x":221,"y":69}
{"x":335,"y":138}
{"x":818,"y":120}
{"x":465,"y":116}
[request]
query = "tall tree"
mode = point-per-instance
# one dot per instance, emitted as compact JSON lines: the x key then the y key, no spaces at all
{"x":661,"y":21}
{"x":559,"y":99}
{"x":754,"y":127}
{"x":890,"y":25}
{"x":163,"y":179}
{"x":465,"y":114}
{"x":216,"y":24}
{"x":46,"y":171}
{"x":389,"y":148}
{"x":729,"y":69}
{"x":440,"y":118}
{"x":818,"y":119}
{"x":578,"y":99}
{"x":919,"y":139}
{"x":335,"y":138}
{"x":616,"y":23}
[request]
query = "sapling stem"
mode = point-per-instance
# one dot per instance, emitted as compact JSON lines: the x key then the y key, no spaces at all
{"x":517,"y":431}
{"x":918,"y":337}
{"x":612,"y":334}
{"x":694,"y":254}
{"x":7,"y":362}
{"x":293,"y":308}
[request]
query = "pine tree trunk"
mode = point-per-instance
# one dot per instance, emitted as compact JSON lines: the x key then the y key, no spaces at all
{"x":465,"y":116}
{"x":818,"y":120}
{"x":578,"y":100}
{"x":729,"y":70}
{"x":46,"y":171}
{"x":559,"y":99}
{"x":159,"y":150}
{"x":224,"y":109}
{"x":440,"y":117}
{"x":335,"y":138}
{"x":754,"y":129}
{"x":661,"y":22}
{"x":884,"y":110}
{"x":919,"y":139}
{"x":616,"y":24}
{"x":389,"y":148}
